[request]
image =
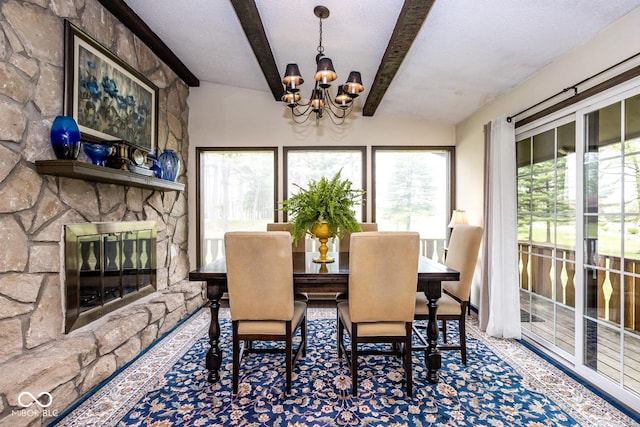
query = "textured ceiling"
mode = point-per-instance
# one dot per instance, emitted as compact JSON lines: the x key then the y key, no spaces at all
{"x":467,"y":52}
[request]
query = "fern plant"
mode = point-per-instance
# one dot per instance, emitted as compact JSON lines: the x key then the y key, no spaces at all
{"x":324,"y":200}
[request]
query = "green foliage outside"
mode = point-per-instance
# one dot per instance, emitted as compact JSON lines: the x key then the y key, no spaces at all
{"x":411,"y":195}
{"x":608,"y":241}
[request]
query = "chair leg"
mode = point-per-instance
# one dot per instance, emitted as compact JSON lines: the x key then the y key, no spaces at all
{"x":340,"y":337}
{"x":407,"y":359}
{"x":236,"y":358}
{"x":288,"y":355}
{"x":444,"y":331}
{"x":463,"y":340}
{"x":303,"y":336}
{"x":354,"y":359}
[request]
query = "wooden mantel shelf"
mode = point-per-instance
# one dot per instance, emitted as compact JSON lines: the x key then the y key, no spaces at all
{"x":90,"y":172}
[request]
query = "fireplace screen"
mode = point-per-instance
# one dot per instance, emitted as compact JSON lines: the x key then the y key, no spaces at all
{"x":107,"y":265}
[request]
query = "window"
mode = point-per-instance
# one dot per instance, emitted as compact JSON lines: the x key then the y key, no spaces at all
{"x":305,"y":164}
{"x":237,"y":191}
{"x":413,"y":191}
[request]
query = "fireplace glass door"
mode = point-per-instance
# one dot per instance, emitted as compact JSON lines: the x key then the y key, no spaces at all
{"x":107,"y":266}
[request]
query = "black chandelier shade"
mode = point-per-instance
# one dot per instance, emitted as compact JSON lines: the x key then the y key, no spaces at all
{"x":292,"y":78}
{"x":353,"y":86}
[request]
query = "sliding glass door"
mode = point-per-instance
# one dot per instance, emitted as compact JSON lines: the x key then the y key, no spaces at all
{"x":546,"y":162}
{"x":579,"y":240}
{"x":611,"y":216}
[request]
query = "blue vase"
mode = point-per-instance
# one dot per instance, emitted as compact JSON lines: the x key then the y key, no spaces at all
{"x":97,"y":152}
{"x":169,"y":163}
{"x":65,"y":138}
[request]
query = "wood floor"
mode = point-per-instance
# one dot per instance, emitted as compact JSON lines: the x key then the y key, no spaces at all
{"x":555,"y":323}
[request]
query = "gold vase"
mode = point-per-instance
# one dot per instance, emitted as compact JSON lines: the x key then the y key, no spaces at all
{"x":321,"y":231}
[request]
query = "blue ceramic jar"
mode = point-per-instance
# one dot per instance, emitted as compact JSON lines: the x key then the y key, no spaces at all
{"x":96,"y":152}
{"x":169,"y":164}
{"x":65,"y":138}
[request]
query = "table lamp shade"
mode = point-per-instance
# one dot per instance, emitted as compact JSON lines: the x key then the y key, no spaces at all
{"x":458,"y":217}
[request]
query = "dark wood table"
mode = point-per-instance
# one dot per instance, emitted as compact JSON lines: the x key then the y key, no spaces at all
{"x":311,"y":277}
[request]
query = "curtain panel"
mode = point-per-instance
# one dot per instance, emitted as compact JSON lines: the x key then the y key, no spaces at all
{"x":499,"y":312}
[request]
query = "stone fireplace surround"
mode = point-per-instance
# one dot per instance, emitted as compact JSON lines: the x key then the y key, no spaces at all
{"x":36,"y":355}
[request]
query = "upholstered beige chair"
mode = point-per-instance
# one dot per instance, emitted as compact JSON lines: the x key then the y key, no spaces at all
{"x":299,"y":246}
{"x":383,"y":275}
{"x":285,"y":226}
{"x":462,"y":255}
{"x":260,"y":287}
{"x":345,"y":240}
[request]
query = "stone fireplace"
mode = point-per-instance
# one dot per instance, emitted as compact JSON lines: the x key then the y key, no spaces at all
{"x":107,"y":266}
{"x":40,"y":349}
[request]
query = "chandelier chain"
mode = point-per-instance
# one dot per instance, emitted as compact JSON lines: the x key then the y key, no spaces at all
{"x":320,"y":47}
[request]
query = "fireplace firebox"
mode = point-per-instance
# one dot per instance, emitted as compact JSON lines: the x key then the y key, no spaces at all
{"x":107,"y":265}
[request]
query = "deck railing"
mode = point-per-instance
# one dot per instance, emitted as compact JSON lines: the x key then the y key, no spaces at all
{"x":550,"y":272}
{"x":431,"y":248}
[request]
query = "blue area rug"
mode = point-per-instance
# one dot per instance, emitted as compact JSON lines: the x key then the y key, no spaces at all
{"x":167,"y":386}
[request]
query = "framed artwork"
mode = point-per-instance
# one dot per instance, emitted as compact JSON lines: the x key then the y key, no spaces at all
{"x":109,"y":99}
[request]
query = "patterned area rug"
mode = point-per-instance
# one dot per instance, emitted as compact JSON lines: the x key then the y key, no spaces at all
{"x":503,"y":384}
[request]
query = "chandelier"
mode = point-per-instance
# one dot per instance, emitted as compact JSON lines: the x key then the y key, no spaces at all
{"x":321,"y":102}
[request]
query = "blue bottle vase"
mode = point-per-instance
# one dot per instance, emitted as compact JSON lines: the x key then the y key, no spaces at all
{"x":65,"y":138}
{"x":169,"y":164}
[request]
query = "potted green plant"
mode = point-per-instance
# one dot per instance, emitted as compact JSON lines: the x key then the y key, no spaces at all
{"x":324,"y":204}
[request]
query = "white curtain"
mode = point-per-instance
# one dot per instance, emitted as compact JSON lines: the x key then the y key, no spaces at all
{"x":500,"y":293}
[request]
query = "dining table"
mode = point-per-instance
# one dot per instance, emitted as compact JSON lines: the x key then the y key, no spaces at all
{"x":309,"y":276}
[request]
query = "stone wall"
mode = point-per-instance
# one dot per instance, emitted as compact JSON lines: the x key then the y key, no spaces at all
{"x":35,"y":354}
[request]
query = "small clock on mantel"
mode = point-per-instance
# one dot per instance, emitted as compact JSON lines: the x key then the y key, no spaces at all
{"x":138,"y":157}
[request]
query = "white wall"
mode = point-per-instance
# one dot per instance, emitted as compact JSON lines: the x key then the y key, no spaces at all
{"x":617,"y":42}
{"x":224,"y":116}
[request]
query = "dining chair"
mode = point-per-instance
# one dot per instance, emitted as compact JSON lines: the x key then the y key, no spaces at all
{"x":462,"y":255}
{"x":383,"y":272}
{"x":286,"y":226}
{"x":261,"y":302}
{"x":345,"y":242}
{"x":299,"y":246}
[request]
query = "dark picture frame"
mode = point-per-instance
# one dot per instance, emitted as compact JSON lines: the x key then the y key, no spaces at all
{"x":109,"y":99}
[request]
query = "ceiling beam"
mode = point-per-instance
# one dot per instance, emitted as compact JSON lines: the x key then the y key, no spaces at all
{"x":247,"y":13}
{"x":137,"y":26}
{"x":410,"y":19}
